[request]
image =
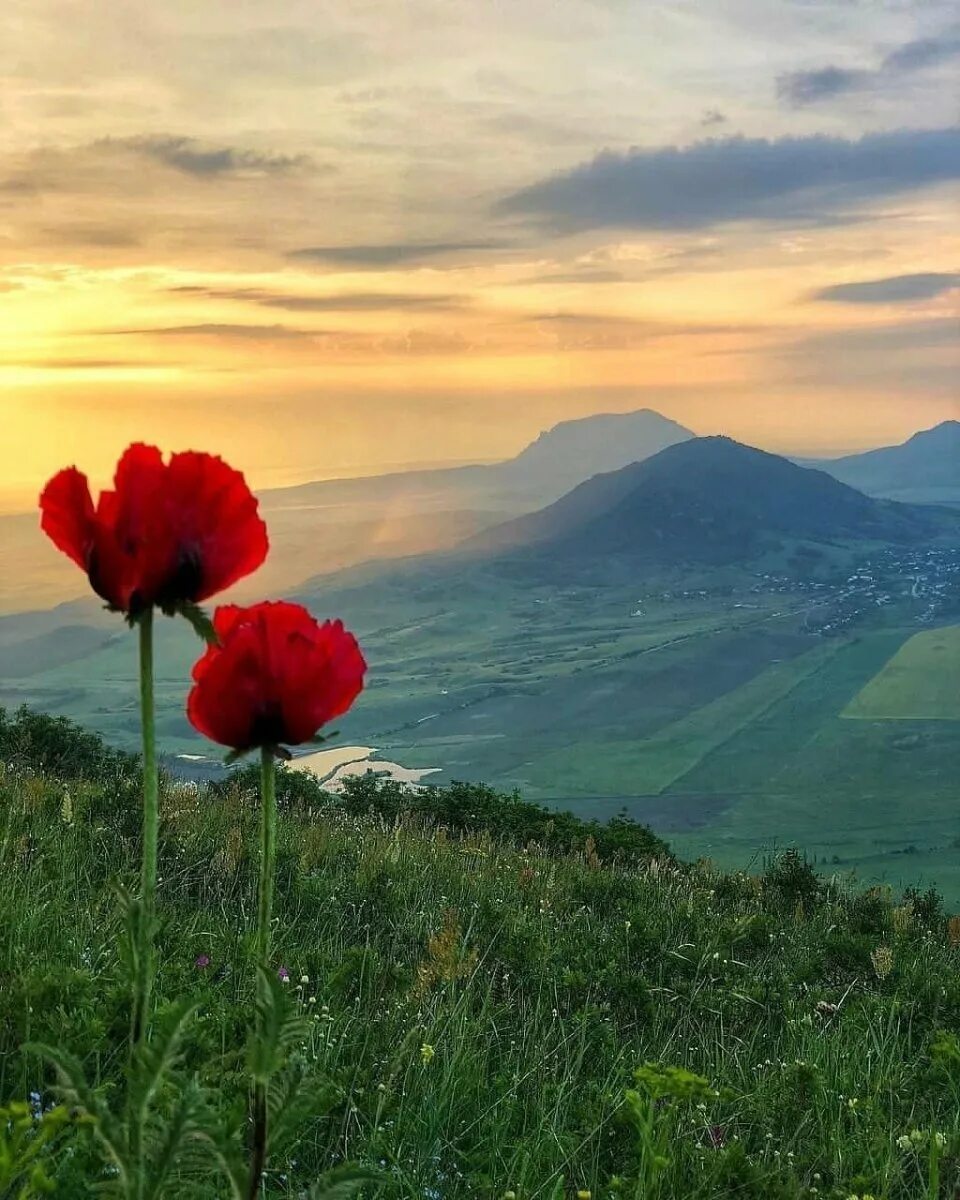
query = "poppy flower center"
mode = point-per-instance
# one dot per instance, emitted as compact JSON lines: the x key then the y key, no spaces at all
{"x":184,"y":581}
{"x":268,"y":727}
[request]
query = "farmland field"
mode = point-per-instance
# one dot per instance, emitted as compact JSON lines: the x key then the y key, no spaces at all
{"x":920,"y":682}
{"x":720,"y":716}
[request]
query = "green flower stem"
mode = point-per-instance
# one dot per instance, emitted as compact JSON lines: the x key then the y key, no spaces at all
{"x":268,"y":856}
{"x":268,"y":853}
{"x":148,"y":870}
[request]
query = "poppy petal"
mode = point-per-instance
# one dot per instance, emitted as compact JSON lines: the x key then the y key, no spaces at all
{"x":67,"y":515}
{"x":216,"y":520}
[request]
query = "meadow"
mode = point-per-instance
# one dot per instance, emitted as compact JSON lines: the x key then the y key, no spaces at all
{"x":717,"y":710}
{"x":479,"y":1001}
{"x":918,"y":683}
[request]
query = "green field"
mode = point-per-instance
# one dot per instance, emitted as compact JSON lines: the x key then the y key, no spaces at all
{"x":719,"y":716}
{"x":920,"y":683}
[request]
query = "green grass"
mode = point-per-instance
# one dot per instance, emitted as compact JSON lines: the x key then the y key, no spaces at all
{"x":918,"y":683}
{"x":726,"y":728}
{"x":653,"y":764}
{"x":553,"y":978}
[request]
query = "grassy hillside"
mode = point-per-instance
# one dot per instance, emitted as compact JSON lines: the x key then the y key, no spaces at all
{"x":481,"y":1002}
{"x":715,"y":709}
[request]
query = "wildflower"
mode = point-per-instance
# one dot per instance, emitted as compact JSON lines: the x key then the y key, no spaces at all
{"x":202,"y":961}
{"x":940,"y":1140}
{"x":169,"y":534}
{"x":904,"y":1142}
{"x":584,"y":1194}
{"x":275,"y":677}
{"x":717,"y":1136}
{"x":427,"y":1054}
{"x":882,"y":959}
{"x":283,"y":975}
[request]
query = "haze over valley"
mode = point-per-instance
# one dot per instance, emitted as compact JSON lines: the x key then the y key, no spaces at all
{"x":740,"y":650}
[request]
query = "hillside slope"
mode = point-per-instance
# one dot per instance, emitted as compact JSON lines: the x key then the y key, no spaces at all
{"x":480,"y":1010}
{"x":925,"y":468}
{"x":707,"y":500}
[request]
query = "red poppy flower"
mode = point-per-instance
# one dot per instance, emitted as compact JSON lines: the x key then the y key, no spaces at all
{"x":169,"y":534}
{"x":276,"y":676}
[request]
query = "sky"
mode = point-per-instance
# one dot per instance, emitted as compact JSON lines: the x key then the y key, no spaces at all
{"x":326,"y":238}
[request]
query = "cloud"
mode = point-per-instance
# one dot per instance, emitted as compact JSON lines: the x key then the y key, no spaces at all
{"x":802,"y":179}
{"x":807,"y":87}
{"x":924,"y":52}
{"x":585,"y":275}
{"x":106,"y":236}
{"x":347,"y":302}
{"x":913,"y":357}
{"x":224,"y":331}
{"x":870,"y":341}
{"x":85,"y":364}
{"x":713,"y":116}
{"x":893,"y":290}
{"x":601,"y":331}
{"x":799,"y":88}
{"x":385,"y":254}
{"x":192,"y":157}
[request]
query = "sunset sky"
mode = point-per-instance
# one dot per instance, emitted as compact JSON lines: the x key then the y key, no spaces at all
{"x":336,"y":237}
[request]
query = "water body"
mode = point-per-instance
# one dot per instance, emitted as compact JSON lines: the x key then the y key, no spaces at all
{"x":334,"y":766}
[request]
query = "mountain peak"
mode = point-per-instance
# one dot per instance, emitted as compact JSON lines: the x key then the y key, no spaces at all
{"x":709,"y":499}
{"x":575,"y":449}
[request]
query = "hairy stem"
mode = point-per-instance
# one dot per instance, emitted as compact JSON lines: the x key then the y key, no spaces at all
{"x":268,"y":852}
{"x":146,"y":907}
{"x":143,"y":986}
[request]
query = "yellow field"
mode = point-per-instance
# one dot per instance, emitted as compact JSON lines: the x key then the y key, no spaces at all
{"x":920,"y":683}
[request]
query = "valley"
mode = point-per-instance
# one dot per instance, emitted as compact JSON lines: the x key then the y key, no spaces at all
{"x":720,"y":709}
{"x":743,"y":653}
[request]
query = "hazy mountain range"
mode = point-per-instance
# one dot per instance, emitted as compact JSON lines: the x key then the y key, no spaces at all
{"x":923,"y":469}
{"x":323,"y":527}
{"x":706,"y":500}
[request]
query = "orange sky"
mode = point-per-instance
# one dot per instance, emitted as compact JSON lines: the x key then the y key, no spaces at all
{"x":323,"y":241}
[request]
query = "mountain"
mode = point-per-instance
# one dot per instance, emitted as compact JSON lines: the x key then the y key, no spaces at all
{"x":707,"y":500}
{"x":923,"y":469}
{"x":323,"y":527}
{"x":573,"y":451}
{"x":559,"y":459}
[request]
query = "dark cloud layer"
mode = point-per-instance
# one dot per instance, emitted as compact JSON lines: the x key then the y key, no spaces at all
{"x":807,"y":87}
{"x":192,"y":157}
{"x":348,"y":302}
{"x":385,"y":254}
{"x":799,"y":88}
{"x":892,"y":290}
{"x":221,"y":330}
{"x":806,"y":179}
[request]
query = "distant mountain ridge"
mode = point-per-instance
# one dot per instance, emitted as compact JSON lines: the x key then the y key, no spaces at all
{"x":322,"y":527}
{"x":558,"y":459}
{"x":706,"y":500}
{"x":924,"y":468}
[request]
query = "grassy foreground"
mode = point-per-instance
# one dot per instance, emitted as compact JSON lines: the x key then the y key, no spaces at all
{"x":480,"y":1006}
